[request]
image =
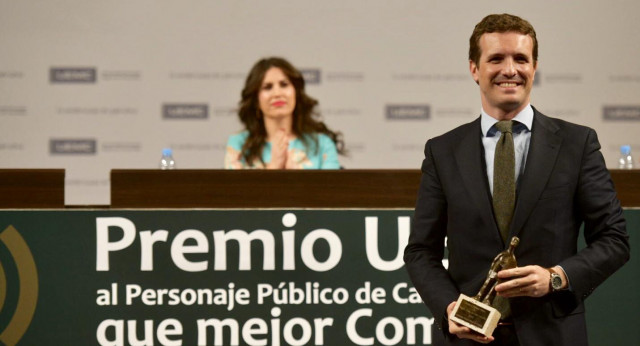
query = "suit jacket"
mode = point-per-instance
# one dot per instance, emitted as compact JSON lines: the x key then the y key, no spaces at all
{"x":565,"y":184}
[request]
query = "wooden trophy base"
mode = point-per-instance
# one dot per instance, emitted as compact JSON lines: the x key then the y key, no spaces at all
{"x":478,"y":316}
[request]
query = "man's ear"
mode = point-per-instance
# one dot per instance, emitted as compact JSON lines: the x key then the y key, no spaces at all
{"x":473,"y":68}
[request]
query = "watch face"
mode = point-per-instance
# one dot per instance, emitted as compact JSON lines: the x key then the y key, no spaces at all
{"x":556,"y":281}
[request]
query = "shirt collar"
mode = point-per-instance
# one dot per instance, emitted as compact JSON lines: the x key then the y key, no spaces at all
{"x":524,"y":121}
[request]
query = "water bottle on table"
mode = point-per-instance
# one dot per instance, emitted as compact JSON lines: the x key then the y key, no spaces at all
{"x":167,"y":162}
{"x":626,"y":160}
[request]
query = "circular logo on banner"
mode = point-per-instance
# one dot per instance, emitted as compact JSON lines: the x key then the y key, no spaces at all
{"x":27,"y":295}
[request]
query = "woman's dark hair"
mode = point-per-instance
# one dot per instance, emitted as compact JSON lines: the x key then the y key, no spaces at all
{"x":306,"y":123}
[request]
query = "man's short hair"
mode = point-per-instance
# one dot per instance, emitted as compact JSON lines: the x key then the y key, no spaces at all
{"x":500,"y":23}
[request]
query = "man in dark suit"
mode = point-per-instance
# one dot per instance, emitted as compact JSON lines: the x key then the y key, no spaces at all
{"x":561,"y":182}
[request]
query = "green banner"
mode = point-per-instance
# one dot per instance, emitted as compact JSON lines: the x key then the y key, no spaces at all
{"x":231,"y":277}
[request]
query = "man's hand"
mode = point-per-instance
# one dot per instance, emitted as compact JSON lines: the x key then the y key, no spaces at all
{"x":529,"y":281}
{"x":464,"y":332}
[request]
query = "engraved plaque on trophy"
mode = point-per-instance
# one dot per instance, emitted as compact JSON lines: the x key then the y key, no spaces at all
{"x":482,"y":312}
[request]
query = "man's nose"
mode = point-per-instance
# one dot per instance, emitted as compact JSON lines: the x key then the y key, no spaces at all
{"x":509,"y":68}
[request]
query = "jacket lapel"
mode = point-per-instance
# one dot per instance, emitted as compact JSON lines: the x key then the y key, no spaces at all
{"x":469,"y":155}
{"x":543,"y":151}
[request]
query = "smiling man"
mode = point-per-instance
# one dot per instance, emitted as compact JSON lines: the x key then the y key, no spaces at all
{"x":505,"y":71}
{"x":514,"y":172}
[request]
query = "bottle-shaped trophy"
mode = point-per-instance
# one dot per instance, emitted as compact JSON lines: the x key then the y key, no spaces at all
{"x":482,"y":312}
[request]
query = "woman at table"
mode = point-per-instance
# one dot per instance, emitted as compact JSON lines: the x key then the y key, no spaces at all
{"x":281,"y":129}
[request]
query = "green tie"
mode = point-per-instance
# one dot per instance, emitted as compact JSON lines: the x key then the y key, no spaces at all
{"x":504,"y":182}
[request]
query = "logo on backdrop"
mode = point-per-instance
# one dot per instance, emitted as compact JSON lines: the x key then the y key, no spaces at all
{"x":73,"y":146}
{"x":26,"y":291}
{"x":624,"y":113}
{"x":11,"y":74}
{"x":311,"y":75}
{"x":72,"y":75}
{"x":185,"y":111}
{"x":562,"y":78}
{"x":408,"y":112}
{"x":13,"y":110}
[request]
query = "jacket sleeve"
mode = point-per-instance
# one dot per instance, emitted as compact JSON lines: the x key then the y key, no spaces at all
{"x":425,"y":250}
{"x":604,"y":225}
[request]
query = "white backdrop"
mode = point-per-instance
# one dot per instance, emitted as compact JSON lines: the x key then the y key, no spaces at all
{"x":89,"y":86}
